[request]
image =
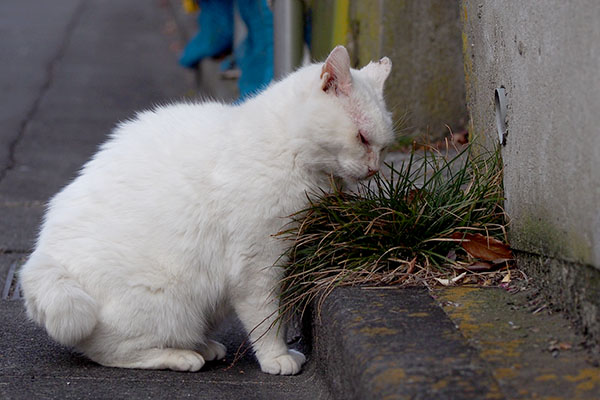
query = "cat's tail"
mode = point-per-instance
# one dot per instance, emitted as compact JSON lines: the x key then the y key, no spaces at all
{"x":57,"y":301}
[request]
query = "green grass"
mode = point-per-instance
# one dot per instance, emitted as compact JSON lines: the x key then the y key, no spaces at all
{"x":396,"y":230}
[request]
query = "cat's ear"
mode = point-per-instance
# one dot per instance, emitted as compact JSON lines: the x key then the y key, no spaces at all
{"x":335,"y":74}
{"x":378,"y":71}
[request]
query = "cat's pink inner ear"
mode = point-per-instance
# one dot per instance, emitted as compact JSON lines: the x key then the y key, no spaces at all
{"x":335,"y":75}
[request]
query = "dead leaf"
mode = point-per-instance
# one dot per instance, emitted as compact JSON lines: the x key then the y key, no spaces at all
{"x":484,"y":247}
{"x":554,"y":345}
{"x":448,"y":282}
{"x":506,"y":278}
{"x":415,"y":194}
{"x":564,"y":346}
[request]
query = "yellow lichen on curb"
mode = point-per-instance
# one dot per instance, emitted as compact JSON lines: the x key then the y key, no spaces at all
{"x":587,"y":379}
{"x":546,"y":377}
{"x":378,"y":331}
{"x":502,"y":349}
{"x":522,"y":348}
{"x":389,"y":377}
{"x":419,"y":314}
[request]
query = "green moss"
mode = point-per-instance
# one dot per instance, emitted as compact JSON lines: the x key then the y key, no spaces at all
{"x":367,"y":23}
{"x":322,"y":29}
{"x":437,"y":96}
{"x":534,"y":232}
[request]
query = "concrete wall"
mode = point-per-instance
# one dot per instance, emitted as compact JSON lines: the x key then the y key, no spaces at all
{"x":421,"y":37}
{"x":547,"y":56}
{"x":329,"y":26}
{"x":548,"y":59}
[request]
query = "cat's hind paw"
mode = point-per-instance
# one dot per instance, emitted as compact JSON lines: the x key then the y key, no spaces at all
{"x":212,"y":350}
{"x":287,"y":364}
{"x":175,"y":359}
{"x":184,"y":360}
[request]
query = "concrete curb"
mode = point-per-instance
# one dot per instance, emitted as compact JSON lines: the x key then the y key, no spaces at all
{"x":455,"y":343}
{"x":388,"y":344}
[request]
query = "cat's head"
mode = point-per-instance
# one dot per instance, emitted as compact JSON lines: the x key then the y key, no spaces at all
{"x":353,"y":124}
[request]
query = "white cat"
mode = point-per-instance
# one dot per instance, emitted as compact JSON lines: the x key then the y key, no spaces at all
{"x":168,"y":228}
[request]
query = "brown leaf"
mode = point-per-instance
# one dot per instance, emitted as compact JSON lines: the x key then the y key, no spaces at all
{"x":415,"y":195}
{"x":564,"y":346}
{"x":448,"y":282}
{"x":484,"y":247}
{"x":410,"y":197}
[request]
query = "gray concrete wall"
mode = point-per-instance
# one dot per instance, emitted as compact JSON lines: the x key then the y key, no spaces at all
{"x":546,"y":54}
{"x":422,"y":38}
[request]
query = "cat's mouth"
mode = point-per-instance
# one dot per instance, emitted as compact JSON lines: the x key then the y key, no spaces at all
{"x":366,"y":175}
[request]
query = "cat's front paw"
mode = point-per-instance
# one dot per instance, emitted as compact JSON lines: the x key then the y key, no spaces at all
{"x":213,"y":350}
{"x":287,"y":364}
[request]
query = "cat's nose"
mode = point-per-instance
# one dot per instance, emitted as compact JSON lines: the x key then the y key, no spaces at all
{"x":372,"y":172}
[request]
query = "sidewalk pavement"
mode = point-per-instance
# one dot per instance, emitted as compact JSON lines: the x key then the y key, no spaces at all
{"x":71,"y":70}
{"x":33,"y":367}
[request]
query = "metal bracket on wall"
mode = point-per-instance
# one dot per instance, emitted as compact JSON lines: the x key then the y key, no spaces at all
{"x":500,"y":102}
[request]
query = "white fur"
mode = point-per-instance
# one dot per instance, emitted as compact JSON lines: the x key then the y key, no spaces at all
{"x":168,"y":228}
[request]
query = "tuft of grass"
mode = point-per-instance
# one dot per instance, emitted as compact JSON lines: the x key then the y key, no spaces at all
{"x":397,"y":229}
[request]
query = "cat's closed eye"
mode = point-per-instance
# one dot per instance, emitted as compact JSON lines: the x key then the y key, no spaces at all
{"x":362,"y":138}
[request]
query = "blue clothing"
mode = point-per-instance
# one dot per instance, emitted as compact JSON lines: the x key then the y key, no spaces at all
{"x":254,"y":55}
{"x":215,"y":34}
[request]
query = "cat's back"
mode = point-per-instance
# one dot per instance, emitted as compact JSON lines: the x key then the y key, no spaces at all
{"x":149,"y":170}
{"x":168,"y":131}
{"x":158,"y":143}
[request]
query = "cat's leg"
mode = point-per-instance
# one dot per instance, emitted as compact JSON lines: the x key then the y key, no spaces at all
{"x":175,"y":359}
{"x":258,"y":313}
{"x":127,"y":338}
{"x":212,"y":350}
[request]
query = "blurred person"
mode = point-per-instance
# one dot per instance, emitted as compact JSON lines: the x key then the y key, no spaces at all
{"x":254,"y":55}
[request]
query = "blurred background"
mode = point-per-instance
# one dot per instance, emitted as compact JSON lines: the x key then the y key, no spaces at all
{"x":252,"y":42}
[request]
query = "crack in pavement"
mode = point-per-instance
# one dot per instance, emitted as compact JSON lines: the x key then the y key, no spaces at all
{"x":50,"y":68}
{"x":14,"y":251}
